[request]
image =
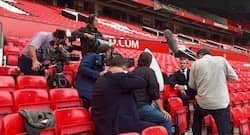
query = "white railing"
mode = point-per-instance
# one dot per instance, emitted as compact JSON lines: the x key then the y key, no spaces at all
{"x":152,"y":30}
{"x":11,"y":8}
{"x":71,"y":12}
{"x":208,"y":43}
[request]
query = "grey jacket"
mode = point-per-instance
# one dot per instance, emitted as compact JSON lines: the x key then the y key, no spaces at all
{"x":36,"y":120}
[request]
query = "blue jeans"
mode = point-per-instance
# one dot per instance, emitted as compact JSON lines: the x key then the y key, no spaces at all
{"x":152,"y":114}
{"x":221,"y":117}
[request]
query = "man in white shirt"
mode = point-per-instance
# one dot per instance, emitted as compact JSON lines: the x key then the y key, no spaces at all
{"x":33,"y":54}
{"x":209,"y":75}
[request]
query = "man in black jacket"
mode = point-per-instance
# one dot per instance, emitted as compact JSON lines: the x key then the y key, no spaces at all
{"x":88,"y":35}
{"x":149,"y":105}
{"x":179,"y":81}
{"x":113,"y":106}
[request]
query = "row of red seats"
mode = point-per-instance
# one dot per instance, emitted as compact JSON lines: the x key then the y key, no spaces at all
{"x":240,"y":117}
{"x":34,"y":99}
{"x":240,"y":99}
{"x":67,"y":121}
{"x":238,"y":87}
{"x":22,"y":81}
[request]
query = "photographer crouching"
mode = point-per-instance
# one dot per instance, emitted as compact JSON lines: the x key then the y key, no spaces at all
{"x":91,"y":67}
{"x":32,"y":57}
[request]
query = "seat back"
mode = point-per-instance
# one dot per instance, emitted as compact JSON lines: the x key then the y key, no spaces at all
{"x":182,"y":120}
{"x":31,"y":99}
{"x":31,"y":81}
{"x":237,"y":115}
{"x":13,"y":124}
{"x":6,"y":103}
{"x":64,"y":98}
{"x":12,"y":59}
{"x":170,"y":92}
{"x":174,"y":103}
{"x":73,"y":121}
{"x":244,"y":127}
{"x":155,"y":130}
{"x":7,"y":83}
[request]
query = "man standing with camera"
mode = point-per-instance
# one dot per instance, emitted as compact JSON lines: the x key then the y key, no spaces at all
{"x":88,"y":35}
{"x":90,"y":68}
{"x":32,"y":57}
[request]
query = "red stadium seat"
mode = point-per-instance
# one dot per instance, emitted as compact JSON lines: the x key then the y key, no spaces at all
{"x":9,"y":70}
{"x":170,"y":92}
{"x":243,"y":98}
{"x":31,"y":99}
{"x":12,"y":59}
{"x":131,"y":133}
{"x":31,"y":81}
{"x":73,"y":121}
{"x":246,"y":111}
{"x":235,"y":100}
{"x":13,"y":124}
{"x":179,"y":114}
{"x":240,"y":120}
{"x":6,"y":103}
{"x":155,"y":130}
{"x":64,"y":98}
{"x":210,"y":122}
{"x":7,"y":83}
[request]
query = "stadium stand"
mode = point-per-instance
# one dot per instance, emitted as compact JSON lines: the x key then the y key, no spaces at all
{"x":31,"y":92}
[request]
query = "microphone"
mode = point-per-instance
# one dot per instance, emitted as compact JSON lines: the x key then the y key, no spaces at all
{"x":172,"y":43}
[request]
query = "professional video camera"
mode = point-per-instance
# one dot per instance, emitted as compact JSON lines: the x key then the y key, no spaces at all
{"x":58,"y":57}
{"x":103,"y":61}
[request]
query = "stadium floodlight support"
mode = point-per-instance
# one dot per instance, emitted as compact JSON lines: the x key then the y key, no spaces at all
{"x":1,"y":44}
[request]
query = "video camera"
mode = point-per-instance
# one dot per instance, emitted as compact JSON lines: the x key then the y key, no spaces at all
{"x":103,"y":61}
{"x":58,"y":56}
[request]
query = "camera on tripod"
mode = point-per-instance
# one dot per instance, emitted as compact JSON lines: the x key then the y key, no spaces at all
{"x":58,"y":57}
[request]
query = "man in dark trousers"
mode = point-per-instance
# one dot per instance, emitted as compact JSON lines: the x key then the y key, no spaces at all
{"x":179,"y":81}
{"x":113,"y":107}
{"x":91,"y":67}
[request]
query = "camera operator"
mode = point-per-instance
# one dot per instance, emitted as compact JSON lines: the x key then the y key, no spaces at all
{"x":91,"y":67}
{"x":32,"y":57}
{"x":88,"y":34}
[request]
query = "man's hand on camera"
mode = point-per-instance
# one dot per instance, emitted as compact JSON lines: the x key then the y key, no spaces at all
{"x":36,"y":65}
